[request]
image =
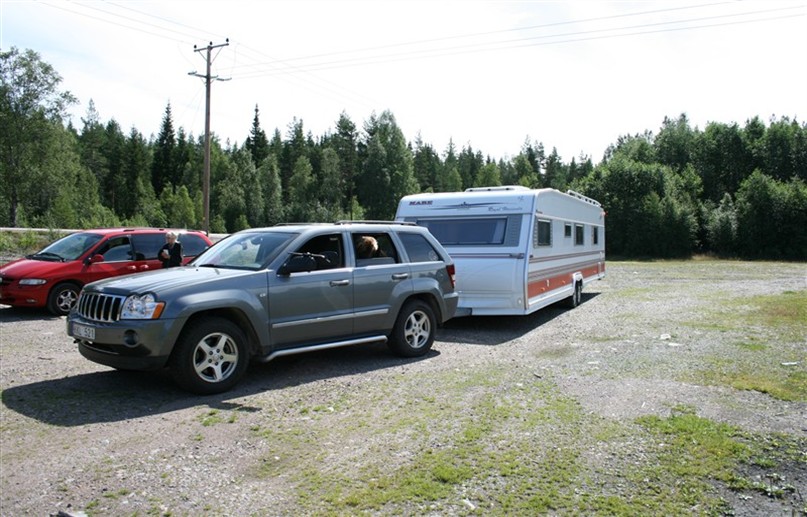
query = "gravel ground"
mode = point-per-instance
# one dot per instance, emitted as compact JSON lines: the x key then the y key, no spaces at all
{"x":76,"y":437}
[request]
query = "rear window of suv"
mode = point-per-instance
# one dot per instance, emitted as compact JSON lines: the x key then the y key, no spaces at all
{"x":419,"y":248}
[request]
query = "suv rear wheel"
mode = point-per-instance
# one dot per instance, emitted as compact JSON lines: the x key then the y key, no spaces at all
{"x":414,"y":329}
{"x":210,"y":357}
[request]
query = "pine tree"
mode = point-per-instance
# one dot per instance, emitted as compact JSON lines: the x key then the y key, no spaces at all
{"x":164,"y":168}
{"x":257,"y":144}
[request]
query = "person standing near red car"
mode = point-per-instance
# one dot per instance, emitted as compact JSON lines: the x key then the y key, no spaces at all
{"x":171,"y":252}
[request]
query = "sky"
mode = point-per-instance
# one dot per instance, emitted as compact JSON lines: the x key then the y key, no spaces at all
{"x":490,"y":75}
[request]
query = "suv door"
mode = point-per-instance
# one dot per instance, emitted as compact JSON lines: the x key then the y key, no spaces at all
{"x":380,"y":284}
{"x":313,"y":306}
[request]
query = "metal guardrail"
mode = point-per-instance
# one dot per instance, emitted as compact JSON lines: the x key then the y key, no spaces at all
{"x":213,"y":236}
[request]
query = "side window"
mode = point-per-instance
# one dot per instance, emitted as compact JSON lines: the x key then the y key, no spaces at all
{"x":376,"y":246}
{"x":418,"y":247}
{"x":542,"y":235}
{"x":567,"y":230}
{"x":579,"y":235}
{"x":192,"y":245}
{"x":147,"y":245}
{"x":117,"y":249}
{"x":327,"y":250}
{"x":595,"y":235}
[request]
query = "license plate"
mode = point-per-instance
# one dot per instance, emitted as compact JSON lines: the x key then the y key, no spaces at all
{"x":83,"y":331}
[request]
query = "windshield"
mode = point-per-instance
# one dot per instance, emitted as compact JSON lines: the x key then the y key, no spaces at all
{"x":249,"y":250}
{"x":68,"y":248}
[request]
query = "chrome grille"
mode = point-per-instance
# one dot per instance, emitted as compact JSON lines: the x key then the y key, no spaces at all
{"x":100,"y":307}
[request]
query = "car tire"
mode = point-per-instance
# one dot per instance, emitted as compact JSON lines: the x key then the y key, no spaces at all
{"x":211,"y":356}
{"x":62,"y":298}
{"x":414,"y":329}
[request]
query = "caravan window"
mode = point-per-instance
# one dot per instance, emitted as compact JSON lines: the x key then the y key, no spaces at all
{"x":595,"y":235}
{"x":543,"y":233}
{"x":467,"y":232}
{"x":567,"y":230}
{"x":579,"y":236}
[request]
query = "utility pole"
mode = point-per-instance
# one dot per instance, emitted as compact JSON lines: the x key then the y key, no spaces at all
{"x":208,"y":78}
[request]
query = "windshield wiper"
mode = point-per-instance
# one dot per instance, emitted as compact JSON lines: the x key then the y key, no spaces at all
{"x":46,"y":255}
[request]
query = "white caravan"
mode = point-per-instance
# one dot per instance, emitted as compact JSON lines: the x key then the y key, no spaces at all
{"x":516,"y":249}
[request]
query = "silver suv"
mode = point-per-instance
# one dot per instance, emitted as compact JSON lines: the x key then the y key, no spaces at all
{"x":265,"y":293}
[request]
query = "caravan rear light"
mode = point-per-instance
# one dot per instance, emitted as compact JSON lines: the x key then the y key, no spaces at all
{"x":450,"y":270}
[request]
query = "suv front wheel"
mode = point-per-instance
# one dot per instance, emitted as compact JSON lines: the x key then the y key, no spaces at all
{"x":414,"y":329}
{"x":210,"y":357}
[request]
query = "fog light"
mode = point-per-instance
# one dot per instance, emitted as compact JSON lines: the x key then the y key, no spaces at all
{"x":130,"y":338}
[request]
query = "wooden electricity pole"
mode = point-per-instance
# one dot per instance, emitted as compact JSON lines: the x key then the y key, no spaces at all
{"x":208,"y":78}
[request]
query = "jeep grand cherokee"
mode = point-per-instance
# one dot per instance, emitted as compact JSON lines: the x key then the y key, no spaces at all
{"x":264,"y":293}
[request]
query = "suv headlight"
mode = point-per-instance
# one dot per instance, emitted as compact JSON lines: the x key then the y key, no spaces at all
{"x":32,"y":281}
{"x":141,"y":307}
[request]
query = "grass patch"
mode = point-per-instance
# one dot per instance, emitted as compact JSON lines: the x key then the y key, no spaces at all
{"x":780,"y":382}
{"x":21,"y":243}
{"x":783,"y":313}
{"x":771,"y":358}
{"x":517,"y":447}
{"x":692,"y":454}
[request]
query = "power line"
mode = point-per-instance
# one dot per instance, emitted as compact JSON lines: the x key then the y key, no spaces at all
{"x":510,"y":44}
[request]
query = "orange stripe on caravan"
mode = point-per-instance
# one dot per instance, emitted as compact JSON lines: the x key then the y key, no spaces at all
{"x":545,"y":285}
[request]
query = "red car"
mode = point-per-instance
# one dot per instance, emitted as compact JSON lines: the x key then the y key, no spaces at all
{"x":53,"y":277}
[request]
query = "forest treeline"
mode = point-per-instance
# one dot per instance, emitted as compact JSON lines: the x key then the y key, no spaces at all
{"x":727,"y":189}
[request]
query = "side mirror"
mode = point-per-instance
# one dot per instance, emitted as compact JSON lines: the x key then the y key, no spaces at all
{"x":95,"y":259}
{"x":298,"y":264}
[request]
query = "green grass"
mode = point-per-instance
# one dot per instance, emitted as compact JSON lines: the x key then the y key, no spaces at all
{"x":694,"y":454}
{"x":500,"y":442}
{"x":771,"y":356}
{"x":22,"y":243}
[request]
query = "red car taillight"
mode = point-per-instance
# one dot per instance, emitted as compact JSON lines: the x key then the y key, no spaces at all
{"x":450,"y":270}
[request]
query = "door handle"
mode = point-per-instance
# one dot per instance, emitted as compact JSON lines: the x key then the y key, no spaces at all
{"x":143,"y":268}
{"x":400,"y":276}
{"x":339,"y":283}
{"x":131,"y":268}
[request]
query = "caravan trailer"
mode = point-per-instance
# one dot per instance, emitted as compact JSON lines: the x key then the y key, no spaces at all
{"x":516,"y":250}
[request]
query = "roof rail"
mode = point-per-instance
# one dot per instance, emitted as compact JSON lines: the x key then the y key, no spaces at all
{"x":581,"y":197}
{"x":302,"y":224}
{"x":347,"y":221}
{"x":497,"y":188}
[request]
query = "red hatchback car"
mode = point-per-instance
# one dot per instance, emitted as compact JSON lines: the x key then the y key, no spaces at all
{"x":53,"y":277}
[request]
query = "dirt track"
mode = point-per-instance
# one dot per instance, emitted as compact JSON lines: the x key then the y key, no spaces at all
{"x":76,"y":436}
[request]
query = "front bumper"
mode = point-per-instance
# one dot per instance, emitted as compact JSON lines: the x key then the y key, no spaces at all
{"x":125,"y":344}
{"x":24,"y":296}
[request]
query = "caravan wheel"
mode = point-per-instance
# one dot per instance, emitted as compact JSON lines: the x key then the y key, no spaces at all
{"x":576,"y":297}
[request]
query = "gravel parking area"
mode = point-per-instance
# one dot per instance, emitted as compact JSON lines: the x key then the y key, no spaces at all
{"x":558,"y":391}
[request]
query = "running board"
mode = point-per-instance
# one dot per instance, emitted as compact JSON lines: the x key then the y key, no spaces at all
{"x":325,"y":346}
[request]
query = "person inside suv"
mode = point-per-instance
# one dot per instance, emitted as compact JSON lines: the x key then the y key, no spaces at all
{"x":367,"y":247}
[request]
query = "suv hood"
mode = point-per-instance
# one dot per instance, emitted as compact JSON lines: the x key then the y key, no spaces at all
{"x":162,"y":281}
{"x":29,"y":268}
